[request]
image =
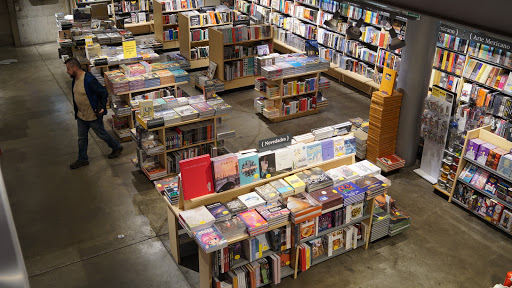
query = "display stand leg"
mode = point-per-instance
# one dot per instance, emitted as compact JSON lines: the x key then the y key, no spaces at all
{"x":174,"y":240}
{"x":205,"y":269}
{"x":372,"y":206}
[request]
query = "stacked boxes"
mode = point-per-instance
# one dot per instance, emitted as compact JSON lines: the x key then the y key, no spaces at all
{"x":384,"y":115}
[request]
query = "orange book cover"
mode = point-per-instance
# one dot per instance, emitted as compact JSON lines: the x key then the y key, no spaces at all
{"x":388,"y":81}
{"x":445,"y":60}
{"x":212,"y":16}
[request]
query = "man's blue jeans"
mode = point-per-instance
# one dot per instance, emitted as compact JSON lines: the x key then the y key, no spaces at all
{"x":98,"y":128}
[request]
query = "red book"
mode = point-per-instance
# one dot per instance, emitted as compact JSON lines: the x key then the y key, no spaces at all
{"x":196,"y":177}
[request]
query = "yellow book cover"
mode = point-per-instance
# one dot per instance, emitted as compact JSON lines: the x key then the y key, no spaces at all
{"x":481,"y":72}
{"x":449,"y":65}
{"x":388,"y":81}
{"x":445,"y":60}
{"x":294,"y":87}
{"x":438,"y":77}
{"x":295,"y":182}
{"x":146,"y":109}
{"x":368,"y":17}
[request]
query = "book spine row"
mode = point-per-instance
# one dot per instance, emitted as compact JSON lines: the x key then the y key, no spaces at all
{"x":170,"y":19}
{"x":173,"y":5}
{"x":444,"y":80}
{"x":175,"y":157}
{"x":496,"y":55}
{"x":331,"y":39}
{"x":171,"y":34}
{"x":200,"y":52}
{"x":452,"y":42}
{"x":298,"y":104}
{"x":449,"y":61}
{"x":240,"y":68}
{"x":199,"y":34}
{"x":305,"y":30}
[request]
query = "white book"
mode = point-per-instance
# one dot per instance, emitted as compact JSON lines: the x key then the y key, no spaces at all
{"x":339,"y":146}
{"x":251,"y":200}
{"x":284,"y":159}
{"x":299,"y":155}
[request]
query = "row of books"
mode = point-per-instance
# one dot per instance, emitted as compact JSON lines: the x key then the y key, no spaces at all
{"x":331,"y":39}
{"x":128,"y":6}
{"x":452,"y":42}
{"x":489,"y":155}
{"x":487,"y":74}
{"x":170,"y":19}
{"x":171,"y":34}
{"x":176,"y":5}
{"x":371,"y":17}
{"x":291,"y":64}
{"x":239,"y":68}
{"x":374,"y":36}
{"x":283,"y":6}
{"x":486,"y":52}
{"x":330,"y":5}
{"x":449,"y":61}
{"x":168,"y":187}
{"x":444,"y":80}
{"x":487,"y":208}
{"x":315,"y":3}
{"x":259,"y":273}
{"x":189,"y":134}
{"x":117,"y":82}
{"x":239,"y":51}
{"x":199,"y":52}
{"x":282,"y":21}
{"x":212,"y":17}
{"x":306,"y":13}
{"x":305,"y":30}
{"x":266,"y":3}
{"x":199,"y":34}
{"x":388,"y":59}
{"x":245,"y":33}
{"x":299,"y":104}
{"x":174,"y":158}
{"x":289,"y":38}
{"x":357,"y":50}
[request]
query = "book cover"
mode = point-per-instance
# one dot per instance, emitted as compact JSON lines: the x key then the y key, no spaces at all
{"x":350,"y":144}
{"x":210,"y":239}
{"x":225,"y":172}
{"x":317,"y":246}
{"x":281,"y":186}
{"x":218,"y":210}
{"x":327,"y":149}
{"x":252,"y":219}
{"x":506,"y":220}
{"x":469,"y":173}
{"x":251,"y":199}
{"x":314,"y":152}
{"x":196,"y":177}
{"x":168,"y":184}
{"x":236,"y":206}
{"x":491,"y":184}
{"x":267,"y":192}
{"x":349,"y":189}
{"x":248,"y":168}
{"x":267,"y":163}
{"x":325,"y":221}
{"x":197,"y":217}
{"x":272,"y":211}
{"x":387,"y":83}
{"x":297,"y":203}
{"x":300,"y":157}
{"x":339,"y":146}
{"x":353,"y":211}
{"x":307,"y":229}
{"x":297,"y":184}
{"x":314,"y":177}
{"x":284,"y":160}
{"x":231,"y":226}
{"x":370,"y":183}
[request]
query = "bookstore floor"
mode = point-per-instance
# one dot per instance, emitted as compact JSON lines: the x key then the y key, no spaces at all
{"x":104,"y":225}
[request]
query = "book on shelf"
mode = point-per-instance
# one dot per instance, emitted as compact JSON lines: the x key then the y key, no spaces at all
{"x":196,"y":219}
{"x":210,"y":239}
{"x":174,"y":5}
{"x":444,"y":80}
{"x":194,"y":186}
{"x":449,"y":61}
{"x":248,"y":168}
{"x":225,"y":172}
{"x":486,"y":74}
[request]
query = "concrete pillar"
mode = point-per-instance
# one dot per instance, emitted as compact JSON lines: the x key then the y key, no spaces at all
{"x":414,"y":77}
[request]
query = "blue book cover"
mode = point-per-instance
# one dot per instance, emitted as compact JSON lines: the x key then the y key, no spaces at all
{"x":327,"y":149}
{"x":350,"y":145}
{"x":249,"y":168}
{"x":348,"y":190}
{"x":471,"y":172}
{"x":314,"y":150}
{"x":209,"y":239}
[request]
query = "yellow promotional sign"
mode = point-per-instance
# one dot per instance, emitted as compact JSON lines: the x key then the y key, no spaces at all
{"x":438,"y":93}
{"x":88,"y":40}
{"x":130,"y":49}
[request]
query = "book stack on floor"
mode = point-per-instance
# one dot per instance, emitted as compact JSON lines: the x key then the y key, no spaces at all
{"x":390,"y":162}
{"x":384,"y":115}
{"x":380,"y":224}
{"x":398,"y":221}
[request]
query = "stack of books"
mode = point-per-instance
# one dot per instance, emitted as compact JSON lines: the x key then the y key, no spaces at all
{"x":380,"y":224}
{"x":196,"y":219}
{"x":315,"y":179}
{"x":351,"y":193}
{"x":187,"y":113}
{"x":236,"y":206}
{"x":154,"y":170}
{"x":134,"y":69}
{"x":328,"y":198}
{"x":151,"y":80}
{"x":169,"y":187}
{"x":219,"y":211}
{"x":274,"y":213}
{"x":296,"y":183}
{"x":165,"y":77}
{"x":324,"y":83}
{"x":119,"y":85}
{"x":364,"y":168}
{"x":136,"y":82}
{"x":303,"y":207}
{"x":210,"y":239}
{"x":220,"y":106}
{"x":121,"y":108}
{"x":399,"y":222}
{"x":304,"y":138}
{"x":252,"y":200}
{"x":342,"y":128}
{"x":268,"y":193}
{"x":254,"y":221}
{"x":152,"y":146}
{"x":284,"y":189}
{"x":231,"y":228}
{"x":390,"y":162}
{"x":372,"y":186}
{"x":204,"y":109}
{"x":323,"y":133}
{"x":170,"y":116}
{"x":361,"y":138}
{"x":181,"y":75}
{"x":103,"y":39}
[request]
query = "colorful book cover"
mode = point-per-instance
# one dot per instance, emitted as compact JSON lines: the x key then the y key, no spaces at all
{"x":327,"y":197}
{"x":480,"y":179}
{"x":315,"y":177}
{"x":469,"y":173}
{"x":231,"y":226}
{"x":491,"y":184}
{"x":354,"y":211}
{"x":299,"y":202}
{"x":370,"y":183}
{"x":349,"y":189}
{"x":327,"y":149}
{"x":307,"y":229}
{"x":325,"y":221}
{"x":248,"y":168}
{"x":300,"y":157}
{"x":267,"y":161}
{"x":267,"y":192}
{"x":296,"y":183}
{"x":225,"y":172}
{"x":350,"y":144}
{"x":196,"y":177}
{"x":314,"y":152}
{"x":252,"y":219}
{"x":218,"y":210}
{"x":168,"y":184}
{"x":210,"y":239}
{"x":317,"y":246}
{"x":281,"y":186}
{"x":339,"y":146}
{"x":506,"y":220}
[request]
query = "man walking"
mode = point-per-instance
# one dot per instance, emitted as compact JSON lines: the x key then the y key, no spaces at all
{"x":90,"y":103}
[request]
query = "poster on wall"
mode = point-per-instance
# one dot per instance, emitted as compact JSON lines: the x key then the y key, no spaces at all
{"x":435,"y":122}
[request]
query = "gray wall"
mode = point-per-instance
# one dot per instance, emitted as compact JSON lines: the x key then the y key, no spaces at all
{"x":5,"y":25}
{"x":36,"y":20}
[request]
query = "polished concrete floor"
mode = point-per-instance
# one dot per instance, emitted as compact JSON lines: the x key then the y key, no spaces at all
{"x":69,"y":222}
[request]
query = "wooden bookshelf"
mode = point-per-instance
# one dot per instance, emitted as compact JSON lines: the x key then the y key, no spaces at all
{"x":217,"y":55}
{"x":159,"y":25}
{"x":279,"y":99}
{"x":485,"y":134}
{"x":186,"y":44}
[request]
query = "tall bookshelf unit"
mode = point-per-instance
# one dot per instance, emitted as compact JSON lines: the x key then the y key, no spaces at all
{"x":448,"y":75}
{"x":281,"y":11}
{"x":140,"y":6}
{"x":186,"y":44}
{"x":160,"y":27}
{"x":217,"y":56}
{"x":278,"y":101}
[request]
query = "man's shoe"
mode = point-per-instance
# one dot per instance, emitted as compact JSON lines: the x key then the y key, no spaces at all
{"x":78,"y":164}
{"x":115,"y":153}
